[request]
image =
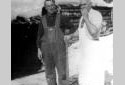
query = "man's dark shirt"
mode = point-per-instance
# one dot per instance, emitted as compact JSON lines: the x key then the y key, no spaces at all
{"x":64,"y":24}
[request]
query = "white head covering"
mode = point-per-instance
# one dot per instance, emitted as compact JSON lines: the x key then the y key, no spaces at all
{"x":85,"y":1}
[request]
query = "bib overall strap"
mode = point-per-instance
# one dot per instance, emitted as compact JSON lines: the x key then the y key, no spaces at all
{"x":57,"y":23}
{"x":44,"y":22}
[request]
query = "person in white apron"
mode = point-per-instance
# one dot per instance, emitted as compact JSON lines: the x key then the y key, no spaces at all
{"x":94,"y":51}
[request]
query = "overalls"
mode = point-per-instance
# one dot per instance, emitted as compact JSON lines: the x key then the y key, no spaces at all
{"x":54,"y":52}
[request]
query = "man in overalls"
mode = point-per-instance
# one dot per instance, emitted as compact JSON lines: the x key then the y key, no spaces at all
{"x":50,"y":42}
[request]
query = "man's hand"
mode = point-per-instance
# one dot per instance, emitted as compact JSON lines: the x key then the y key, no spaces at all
{"x":39,"y":54}
{"x":67,"y":31}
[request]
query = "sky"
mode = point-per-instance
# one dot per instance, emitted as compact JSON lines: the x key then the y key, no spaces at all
{"x":28,"y":8}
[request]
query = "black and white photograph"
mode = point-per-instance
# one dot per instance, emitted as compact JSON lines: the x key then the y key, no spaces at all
{"x":62,"y":42}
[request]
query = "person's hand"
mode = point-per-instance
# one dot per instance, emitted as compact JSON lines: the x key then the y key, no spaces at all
{"x":67,"y":31}
{"x":84,"y":13}
{"x":39,"y":54}
{"x":103,"y":28}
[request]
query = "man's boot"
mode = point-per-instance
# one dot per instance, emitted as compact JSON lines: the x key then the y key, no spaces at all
{"x":51,"y":81}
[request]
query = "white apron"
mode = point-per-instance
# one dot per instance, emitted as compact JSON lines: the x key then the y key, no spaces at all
{"x":90,"y":58}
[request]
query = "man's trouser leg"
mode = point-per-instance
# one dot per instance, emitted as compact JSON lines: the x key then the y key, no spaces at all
{"x":61,"y":67}
{"x":49,"y":68}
